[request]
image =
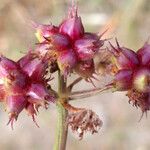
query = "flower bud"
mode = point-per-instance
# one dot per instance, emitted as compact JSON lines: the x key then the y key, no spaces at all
{"x":144,"y":55}
{"x":72,"y":26}
{"x":66,"y":61}
{"x":141,"y":80}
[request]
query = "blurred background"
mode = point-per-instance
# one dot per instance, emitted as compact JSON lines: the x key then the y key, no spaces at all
{"x":129,"y":21}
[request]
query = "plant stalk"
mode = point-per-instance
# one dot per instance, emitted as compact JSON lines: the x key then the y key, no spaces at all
{"x":62,"y":127}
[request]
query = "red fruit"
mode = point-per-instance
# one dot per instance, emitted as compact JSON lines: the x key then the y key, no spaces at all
{"x":72,"y":26}
{"x":123,"y":80}
{"x":144,"y":55}
{"x":15,"y":104}
{"x":126,"y":58}
{"x":87,"y":47}
{"x":66,"y":61}
{"x":38,"y":94}
{"x":33,"y":67}
{"x":59,"y":41}
{"x":7,"y":66}
{"x":12,"y":77}
{"x":141,"y":81}
{"x":45,"y":31}
{"x":17,"y":82}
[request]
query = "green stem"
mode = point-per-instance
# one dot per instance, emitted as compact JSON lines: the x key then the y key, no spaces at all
{"x":89,"y":93}
{"x":62,"y":127}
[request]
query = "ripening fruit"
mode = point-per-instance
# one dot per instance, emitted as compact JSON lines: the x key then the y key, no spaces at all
{"x":6,"y":66}
{"x":141,"y":80}
{"x":14,"y":105}
{"x":38,"y":93}
{"x":72,"y":26}
{"x":126,"y":58}
{"x":133,"y":74}
{"x":123,"y":80}
{"x":66,"y":61}
{"x":44,"y":31}
{"x":23,"y":85}
{"x":17,"y":83}
{"x":59,"y":41}
{"x":144,"y":55}
{"x":13,"y":79}
{"x":33,"y":67}
{"x":86,"y":48}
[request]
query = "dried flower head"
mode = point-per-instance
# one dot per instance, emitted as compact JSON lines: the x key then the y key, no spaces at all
{"x":83,"y":121}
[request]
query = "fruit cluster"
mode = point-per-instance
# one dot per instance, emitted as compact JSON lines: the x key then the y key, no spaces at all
{"x":133,"y":74}
{"x":67,"y":48}
{"x":23,"y":86}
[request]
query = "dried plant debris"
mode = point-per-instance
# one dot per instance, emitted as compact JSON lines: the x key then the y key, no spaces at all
{"x":84,"y":121}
